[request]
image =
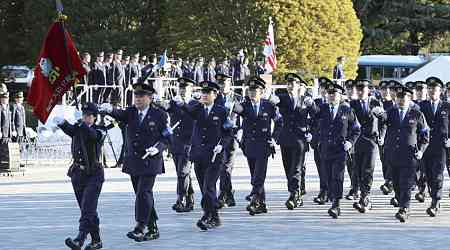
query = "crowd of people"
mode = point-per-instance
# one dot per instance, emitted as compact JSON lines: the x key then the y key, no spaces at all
{"x":346,"y":126}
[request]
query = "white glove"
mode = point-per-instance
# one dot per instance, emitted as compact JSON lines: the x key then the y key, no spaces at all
{"x":14,"y":134}
{"x":347,"y":145}
{"x":178,"y":100}
{"x":58,"y":120}
{"x":77,"y":115}
{"x":152,"y":150}
{"x":238,"y":108}
{"x":308,"y":137}
{"x":105,"y":107}
{"x":447,"y":143}
{"x":196,"y":95}
{"x":418,"y":155}
{"x":217,"y":149}
{"x":308,"y":102}
{"x":377,"y":111}
{"x":274,"y":99}
{"x":108,"y":118}
{"x":239,"y":135}
{"x":272,"y":142}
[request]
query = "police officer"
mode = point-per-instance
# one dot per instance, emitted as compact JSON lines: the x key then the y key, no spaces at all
{"x":294,"y":136}
{"x":180,"y":146}
{"x":227,"y":98}
{"x":421,"y":90}
{"x":350,"y":95}
{"x":365,"y":109}
{"x":5,"y":116}
{"x":211,"y":126}
{"x":18,"y":118}
{"x":338,"y":130}
{"x":436,"y":113}
{"x":407,"y":138}
{"x":86,"y":173}
{"x":258,"y":141}
{"x":322,"y":197}
{"x":98,"y":74}
{"x":148,"y":135}
{"x":388,"y":102}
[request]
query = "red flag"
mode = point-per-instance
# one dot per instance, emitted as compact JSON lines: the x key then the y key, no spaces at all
{"x":58,"y":68}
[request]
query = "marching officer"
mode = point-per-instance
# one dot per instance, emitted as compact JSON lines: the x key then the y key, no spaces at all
{"x":258,"y":141}
{"x":148,"y":136}
{"x":421,"y":90}
{"x":407,"y":138}
{"x":5,"y":116}
{"x":322,"y":197}
{"x":294,"y":136}
{"x":388,"y":102}
{"x":181,"y":146}
{"x":227,"y":98}
{"x":86,"y":173}
{"x":367,"y":144}
{"x":18,"y":118}
{"x":436,"y":113}
{"x":338,"y":130}
{"x":210,"y":129}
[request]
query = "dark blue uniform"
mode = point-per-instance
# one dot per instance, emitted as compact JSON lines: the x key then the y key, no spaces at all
{"x":403,"y":139}
{"x":152,"y":131}
{"x":180,"y":148}
{"x":230,"y":145}
{"x":387,"y":175}
{"x":333,"y":133}
{"x":257,"y":132}
{"x":209,"y":131}
{"x":315,"y":145}
{"x":292,"y":139}
{"x":366,"y":146}
{"x":434,"y":158}
{"x":86,"y":172}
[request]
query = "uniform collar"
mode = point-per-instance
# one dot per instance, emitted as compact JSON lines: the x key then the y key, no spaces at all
{"x":144,"y":112}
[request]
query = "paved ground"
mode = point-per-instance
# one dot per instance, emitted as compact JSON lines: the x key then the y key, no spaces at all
{"x":38,"y":210}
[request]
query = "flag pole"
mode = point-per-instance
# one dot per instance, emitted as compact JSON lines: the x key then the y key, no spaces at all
{"x":62,"y":18}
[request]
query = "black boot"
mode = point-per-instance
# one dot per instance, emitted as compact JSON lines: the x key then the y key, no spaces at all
{"x":190,"y":200}
{"x":178,"y":206}
{"x":96,"y":242}
{"x":420,"y":197}
{"x":322,"y":198}
{"x":214,"y":221}
{"x":290,"y":203}
{"x":402,"y":214}
{"x":230,"y":199}
{"x":394,"y":202}
{"x":153,"y":232}
{"x":138,"y":232}
{"x":434,"y":208}
{"x":203,"y":222}
{"x":335,"y":210}
{"x":222,"y":199}
{"x":77,"y":243}
{"x":364,"y":204}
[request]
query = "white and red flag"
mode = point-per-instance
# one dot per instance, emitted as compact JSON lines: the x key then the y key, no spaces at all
{"x":269,"y":50}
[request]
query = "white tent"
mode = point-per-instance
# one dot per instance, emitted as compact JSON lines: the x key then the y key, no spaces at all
{"x":439,"y":67}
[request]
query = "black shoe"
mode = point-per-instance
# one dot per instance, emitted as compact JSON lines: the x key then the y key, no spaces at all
{"x":77,"y":243}
{"x":153,"y":232}
{"x":257,"y":207}
{"x":335,"y":210}
{"x":322,"y":198}
{"x":138,"y":233}
{"x":214,"y":221}
{"x":365,"y":204}
{"x":420,"y":197}
{"x":230,"y":201}
{"x":178,"y":206}
{"x":394,"y":202}
{"x":295,"y":200}
{"x":386,"y":188}
{"x":352,"y":195}
{"x":402,"y":215}
{"x":190,"y":200}
{"x":203,"y":222}
{"x":433,"y":210}
{"x":222,"y":200}
{"x":96,"y":242}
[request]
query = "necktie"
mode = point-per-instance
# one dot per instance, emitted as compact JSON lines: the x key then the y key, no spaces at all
{"x":255,"y":108}
{"x":206,"y":112}
{"x":141,"y":116}
{"x":402,"y":114}
{"x":434,"y":108}
{"x":332,"y":112}
{"x":364,"y":104}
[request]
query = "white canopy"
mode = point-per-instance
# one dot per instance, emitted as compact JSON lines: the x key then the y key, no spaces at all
{"x":439,"y":67}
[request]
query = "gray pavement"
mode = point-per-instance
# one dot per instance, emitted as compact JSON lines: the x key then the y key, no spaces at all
{"x":38,"y":211}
